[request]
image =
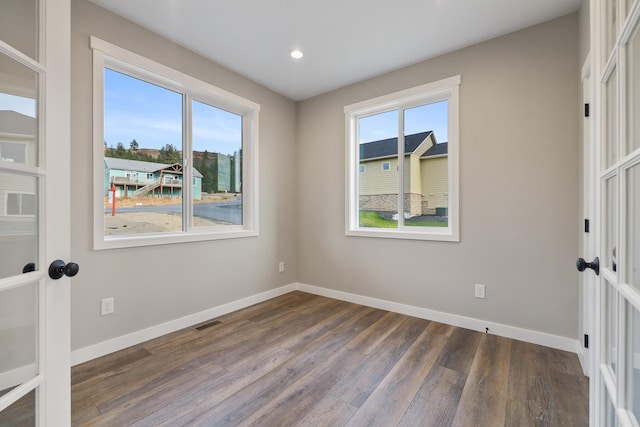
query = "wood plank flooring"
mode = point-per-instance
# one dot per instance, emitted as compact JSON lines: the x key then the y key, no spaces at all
{"x":306,"y":360}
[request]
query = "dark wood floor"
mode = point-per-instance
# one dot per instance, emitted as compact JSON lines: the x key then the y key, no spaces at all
{"x":306,"y":360}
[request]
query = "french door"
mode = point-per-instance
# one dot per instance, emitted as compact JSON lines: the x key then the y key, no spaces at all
{"x":615,"y":393}
{"x":34,"y":212}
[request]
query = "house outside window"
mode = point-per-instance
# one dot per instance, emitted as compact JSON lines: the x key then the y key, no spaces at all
{"x":21,"y":204}
{"x":174,"y":125}
{"x":415,"y":193}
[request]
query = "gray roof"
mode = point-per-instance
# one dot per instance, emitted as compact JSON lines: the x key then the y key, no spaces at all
{"x":15,"y":123}
{"x":389,"y":147}
{"x":140,"y":166}
{"x":437,"y":150}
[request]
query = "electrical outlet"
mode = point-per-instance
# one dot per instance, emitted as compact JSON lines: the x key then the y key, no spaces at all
{"x":281,"y":267}
{"x":480,"y":291}
{"x":107,"y":306}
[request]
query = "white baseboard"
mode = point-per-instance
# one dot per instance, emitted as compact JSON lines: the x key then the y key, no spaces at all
{"x":527,"y":335}
{"x":17,"y":376}
{"x":103,"y":348}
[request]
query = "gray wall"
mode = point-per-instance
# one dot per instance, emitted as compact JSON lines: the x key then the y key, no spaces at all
{"x":153,"y":285}
{"x":519,"y":141}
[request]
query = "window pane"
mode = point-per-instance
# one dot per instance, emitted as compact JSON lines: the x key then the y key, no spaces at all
{"x":610,"y":411}
{"x":378,"y":154}
{"x":611,"y":319}
{"x":611,"y":120}
{"x":18,"y":113}
{"x":217,"y":160}
{"x":610,"y":259}
{"x":18,"y":223}
{"x":633,"y":326}
{"x":611,"y":26}
{"x":19,"y":334}
{"x":633,"y":92}
{"x":426,"y":181}
{"x":633,"y":227}
{"x":21,"y":413}
{"x":19,"y":25}
{"x":142,"y":156}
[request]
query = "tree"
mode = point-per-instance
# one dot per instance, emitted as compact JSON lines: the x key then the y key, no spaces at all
{"x":169,"y":154}
{"x":133,"y":145}
{"x":120,"y":150}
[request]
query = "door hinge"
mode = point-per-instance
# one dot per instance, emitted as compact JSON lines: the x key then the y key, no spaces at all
{"x":586,"y":341}
{"x":586,"y":110}
{"x":586,"y":225}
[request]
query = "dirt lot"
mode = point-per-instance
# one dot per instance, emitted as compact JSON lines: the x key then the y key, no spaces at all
{"x":131,"y":202}
{"x":154,"y":222}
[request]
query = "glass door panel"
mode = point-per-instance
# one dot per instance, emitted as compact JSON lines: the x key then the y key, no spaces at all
{"x":610,"y":238}
{"x":21,"y":413}
{"x":611,"y":120}
{"x":633,"y":361}
{"x":18,"y":336}
{"x":611,"y":326}
{"x":19,"y":25}
{"x":633,"y":92}
{"x":18,"y":224}
{"x":610,"y":412}
{"x":18,"y":113}
{"x":611,"y":26}
{"x":632,"y":264}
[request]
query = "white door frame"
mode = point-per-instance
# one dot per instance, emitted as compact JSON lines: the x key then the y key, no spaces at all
{"x":57,"y":386}
{"x":587,"y":246}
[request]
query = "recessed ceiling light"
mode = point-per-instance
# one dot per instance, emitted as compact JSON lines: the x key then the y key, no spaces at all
{"x":296,"y":54}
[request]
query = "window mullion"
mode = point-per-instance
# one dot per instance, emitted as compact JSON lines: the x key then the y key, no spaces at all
{"x":400,"y":168}
{"x":187,"y":162}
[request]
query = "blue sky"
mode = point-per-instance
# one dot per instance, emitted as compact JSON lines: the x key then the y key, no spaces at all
{"x":19,"y":104}
{"x":419,"y":119}
{"x":152,"y":115}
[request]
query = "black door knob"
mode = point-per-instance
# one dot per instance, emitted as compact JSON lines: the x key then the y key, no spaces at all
{"x":29,"y":268}
{"x":58,"y":268}
{"x":594,"y":265}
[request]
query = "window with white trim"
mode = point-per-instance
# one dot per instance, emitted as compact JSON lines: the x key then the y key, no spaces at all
{"x":20,"y":204}
{"x":411,"y":138}
{"x":156,"y":128}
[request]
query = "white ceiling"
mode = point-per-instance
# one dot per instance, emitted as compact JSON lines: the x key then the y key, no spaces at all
{"x":344,"y":41}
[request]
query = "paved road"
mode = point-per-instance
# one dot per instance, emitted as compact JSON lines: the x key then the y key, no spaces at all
{"x":229,"y":212}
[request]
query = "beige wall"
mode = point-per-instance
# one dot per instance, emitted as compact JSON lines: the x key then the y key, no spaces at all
{"x":518,"y":188}
{"x":157,"y":284}
{"x":435,"y":182}
{"x":374,"y":180}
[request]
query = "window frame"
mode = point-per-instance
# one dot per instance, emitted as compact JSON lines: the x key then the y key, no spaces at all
{"x":20,"y":195}
{"x":445,"y":89}
{"x":121,"y":60}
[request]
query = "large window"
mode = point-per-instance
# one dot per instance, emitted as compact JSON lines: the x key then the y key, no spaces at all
{"x":408,"y":144}
{"x":156,"y":129}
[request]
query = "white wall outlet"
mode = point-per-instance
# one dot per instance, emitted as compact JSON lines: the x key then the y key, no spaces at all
{"x":479,"y":291}
{"x":281,"y":267}
{"x":107,"y":306}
